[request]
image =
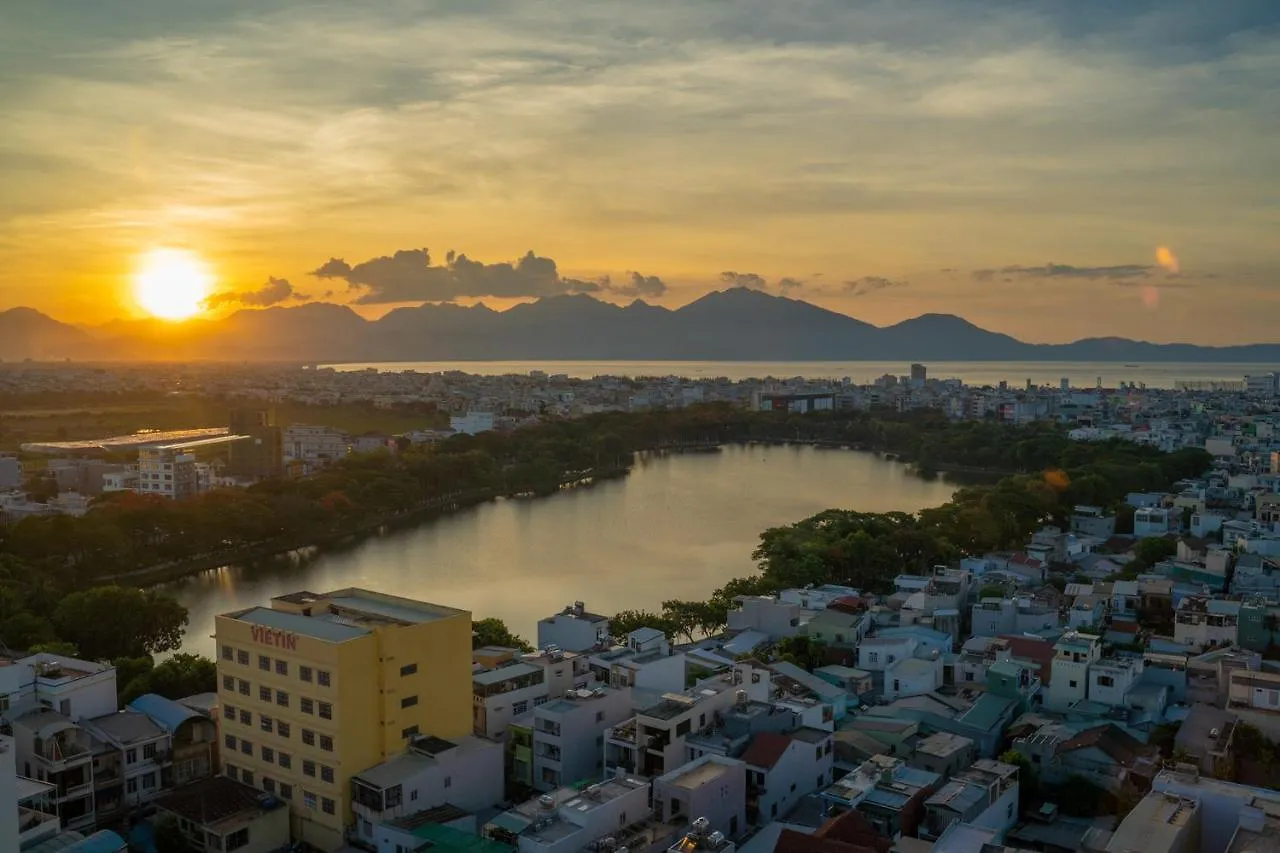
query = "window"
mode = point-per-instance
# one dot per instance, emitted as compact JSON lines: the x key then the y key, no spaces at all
{"x":242,"y":657}
{"x":228,"y":653}
{"x":308,"y":768}
{"x":286,"y":791}
{"x":322,"y":677}
{"x":246,"y":718}
{"x":268,"y":784}
{"x":229,"y":712}
{"x":539,"y":700}
{"x":268,"y":755}
{"x":306,"y":705}
{"x":684,"y":728}
{"x":409,"y":732}
{"x":282,"y":699}
{"x":1073,"y":684}
{"x":304,"y":672}
{"x":247,"y":776}
{"x":237,"y":839}
{"x":230,"y":741}
{"x":285,"y":760}
{"x":308,"y":737}
{"x":264,"y":693}
{"x":325,"y":709}
{"x":244,"y":687}
{"x":149,"y":781}
{"x":132,"y":786}
{"x":228,"y":683}
{"x":309,"y":800}
{"x":873,"y":657}
{"x":264,"y":663}
{"x":408,"y":701}
{"x":246,"y":747}
{"x":408,"y":669}
{"x":266,"y":722}
{"x":326,"y":743}
{"x":448,"y":781}
{"x":599,"y":716}
{"x":395,"y":796}
{"x":326,"y":773}
{"x":231,"y":770}
{"x":282,"y":729}
{"x":1106,"y":681}
{"x":282,"y":667}
{"x":517,"y":708}
{"x":968,"y":676}
{"x":413,"y":795}
{"x":327,"y":805}
{"x":131,"y":756}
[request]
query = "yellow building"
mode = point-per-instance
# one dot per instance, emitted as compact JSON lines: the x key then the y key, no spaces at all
{"x":318,"y":687}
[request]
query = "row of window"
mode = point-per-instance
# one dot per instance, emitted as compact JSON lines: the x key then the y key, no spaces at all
{"x":307,"y":705}
{"x":321,"y":677}
{"x":280,"y":728}
{"x":283,"y":759}
{"x":282,"y":790}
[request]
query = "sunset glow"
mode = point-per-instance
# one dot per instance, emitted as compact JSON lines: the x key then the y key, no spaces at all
{"x":172,"y":284}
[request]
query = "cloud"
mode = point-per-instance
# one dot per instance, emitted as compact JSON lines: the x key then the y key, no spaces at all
{"x":1052,"y":270}
{"x":410,"y":276}
{"x":1166,"y":259}
{"x":870,"y":284}
{"x":275,"y":291}
{"x":749,"y":280}
{"x":788,"y":284}
{"x":639,"y":285}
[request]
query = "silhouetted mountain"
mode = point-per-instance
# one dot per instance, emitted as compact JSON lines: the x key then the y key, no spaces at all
{"x":26,"y":333}
{"x":731,"y":325}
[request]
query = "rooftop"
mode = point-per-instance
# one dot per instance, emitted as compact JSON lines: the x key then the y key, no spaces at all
{"x":323,"y":627}
{"x":700,"y":772}
{"x":504,"y":673}
{"x":1155,"y":824}
{"x":126,"y":727}
{"x":215,"y":800}
{"x":943,"y":744}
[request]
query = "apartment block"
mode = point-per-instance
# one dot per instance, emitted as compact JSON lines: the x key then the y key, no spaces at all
{"x":319,"y":687}
{"x":568,"y":733}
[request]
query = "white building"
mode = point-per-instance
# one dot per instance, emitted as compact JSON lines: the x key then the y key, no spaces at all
{"x":1072,"y":656}
{"x":784,"y":768}
{"x":878,"y":654}
{"x":472,"y":423}
{"x":1202,"y":622}
{"x":314,"y":447}
{"x":574,"y":629}
{"x":567,"y":820}
{"x":121,"y":481}
{"x":467,"y":773}
{"x":773,"y":617}
{"x":568,"y":734}
{"x":1111,"y":678}
{"x":167,"y":473}
{"x":994,"y":616}
{"x":10,"y":472}
{"x":712,"y":787}
{"x":500,"y":695}
{"x":8,"y":794}
{"x":1156,"y":521}
{"x":130,"y":756}
{"x":645,"y":662}
{"x":913,"y":677}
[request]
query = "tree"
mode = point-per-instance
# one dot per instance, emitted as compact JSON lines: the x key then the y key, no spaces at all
{"x":626,"y":621}
{"x":991,"y":590}
{"x":129,"y":670}
{"x":169,"y":837}
{"x":109,"y":622}
{"x":180,"y":676}
{"x":494,"y":632}
{"x":1028,"y":783}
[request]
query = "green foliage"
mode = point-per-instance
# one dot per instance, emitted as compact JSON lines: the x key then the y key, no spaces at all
{"x":1154,"y":549}
{"x":111,"y":622}
{"x":169,"y":837}
{"x":494,"y":632}
{"x":992,"y":590}
{"x":801,"y":651}
{"x":629,"y":620}
{"x":180,"y":676}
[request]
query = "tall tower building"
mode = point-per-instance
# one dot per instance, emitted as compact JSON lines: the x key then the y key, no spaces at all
{"x":261,"y":455}
{"x":319,"y":687}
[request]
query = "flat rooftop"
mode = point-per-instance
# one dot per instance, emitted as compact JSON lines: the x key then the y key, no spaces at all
{"x":698,"y":775}
{"x":344,"y":614}
{"x":1156,"y":823}
{"x":324,"y":627}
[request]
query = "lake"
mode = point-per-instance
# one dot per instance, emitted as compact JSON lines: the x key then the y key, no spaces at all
{"x":678,"y":526}
{"x":1083,"y":374}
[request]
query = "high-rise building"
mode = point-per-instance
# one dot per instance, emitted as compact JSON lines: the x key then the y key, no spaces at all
{"x":167,"y":472}
{"x":918,"y":374}
{"x":261,"y":455}
{"x":316,"y":688}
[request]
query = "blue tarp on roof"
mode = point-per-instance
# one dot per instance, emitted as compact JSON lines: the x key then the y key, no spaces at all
{"x":166,"y":713}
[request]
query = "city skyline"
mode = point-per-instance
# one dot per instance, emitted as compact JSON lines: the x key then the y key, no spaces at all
{"x":1051,"y":173}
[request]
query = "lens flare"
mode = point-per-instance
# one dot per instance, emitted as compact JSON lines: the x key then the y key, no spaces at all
{"x":172,"y":284}
{"x":1167,"y":260}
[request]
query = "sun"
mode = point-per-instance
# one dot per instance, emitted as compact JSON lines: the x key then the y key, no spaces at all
{"x":172,"y":284}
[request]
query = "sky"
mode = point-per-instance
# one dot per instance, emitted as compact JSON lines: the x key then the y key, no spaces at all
{"x":1052,"y":170}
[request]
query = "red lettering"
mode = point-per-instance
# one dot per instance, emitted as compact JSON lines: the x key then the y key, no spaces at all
{"x":273,"y":637}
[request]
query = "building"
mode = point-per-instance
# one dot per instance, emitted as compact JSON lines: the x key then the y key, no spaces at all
{"x":500,"y":695}
{"x":466,"y":773}
{"x":654,"y":741}
{"x":918,"y":374}
{"x":783,"y":768}
{"x":1111,"y":679}
{"x":319,"y":687}
{"x":1259,"y":691}
{"x":1233,"y":818}
{"x":574,"y":629}
{"x":1201,"y":622}
{"x":219,"y":814}
{"x":260,"y":455}
{"x":27,"y":815}
{"x":886,"y":792}
{"x":167,"y":472}
{"x":1161,"y":821}
{"x":780,"y":401}
{"x":1093,"y":521}
{"x":944,"y":753}
{"x":193,"y":739}
{"x":712,"y":787}
{"x":130,"y":755}
{"x":984,"y":796}
{"x":9,"y":813}
{"x":772,"y":616}
{"x":314,"y":447}
{"x":1156,"y":521}
{"x":10,"y":472}
{"x":1072,"y":656}
{"x":568,"y":734}
{"x":567,"y":820}
{"x":994,"y":616}
{"x":472,"y":423}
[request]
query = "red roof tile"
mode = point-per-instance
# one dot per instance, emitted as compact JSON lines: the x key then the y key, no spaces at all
{"x":1033,"y":650}
{"x":765,"y":750}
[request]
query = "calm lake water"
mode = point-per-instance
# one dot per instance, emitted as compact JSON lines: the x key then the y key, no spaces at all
{"x":678,"y":526}
{"x":1083,"y":374}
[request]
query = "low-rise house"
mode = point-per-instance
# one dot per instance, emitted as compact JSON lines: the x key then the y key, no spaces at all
{"x":767,"y":614}
{"x":221,"y":814}
{"x":854,"y":682}
{"x":568,"y":733}
{"x":993,"y":616}
{"x":573,"y":629}
{"x":944,"y":753}
{"x":132,"y":762}
{"x":976,"y":656}
{"x":712,"y":787}
{"x":1206,"y":735}
{"x":1156,"y":521}
{"x":913,"y":677}
{"x":1087,"y":611}
{"x":193,"y":738}
{"x":567,"y":819}
{"x":784,"y":768}
{"x":838,"y":629}
{"x":877,"y":654}
{"x":1167,"y":670}
{"x":644,"y":662}
{"x":1125,"y":598}
{"x":1202,"y":623}
{"x":503,"y":694}
{"x":797,"y":684}
{"x":467,"y":773}
{"x":653,"y":742}
{"x":1110,"y":679}
{"x":1259,"y":691}
{"x":1105,"y":755}
{"x":982,"y":716}
{"x":984,"y":796}
{"x":887,"y":793}
{"x":1093,"y":521}
{"x":817,"y":598}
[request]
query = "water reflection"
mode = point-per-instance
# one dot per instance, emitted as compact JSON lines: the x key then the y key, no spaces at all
{"x":676,"y":527}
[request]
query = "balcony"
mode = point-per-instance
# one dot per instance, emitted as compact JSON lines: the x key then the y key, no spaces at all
{"x":625,"y":733}
{"x":35,"y":826}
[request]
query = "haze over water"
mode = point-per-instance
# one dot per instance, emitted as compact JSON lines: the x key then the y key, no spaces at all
{"x":1083,"y":374}
{"x":677,"y":527}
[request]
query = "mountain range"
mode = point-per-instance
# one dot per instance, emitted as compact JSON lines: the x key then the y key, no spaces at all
{"x":729,"y":325}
